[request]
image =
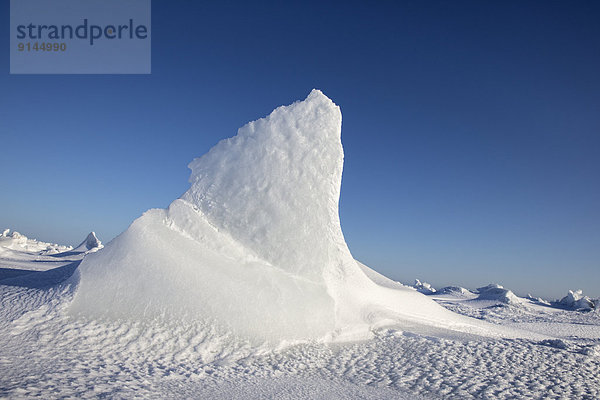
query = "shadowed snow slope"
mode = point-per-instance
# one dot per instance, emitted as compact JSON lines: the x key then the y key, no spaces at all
{"x":255,"y":245}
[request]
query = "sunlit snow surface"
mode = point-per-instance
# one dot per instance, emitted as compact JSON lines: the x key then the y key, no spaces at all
{"x":245,"y":288}
{"x":255,"y":247}
{"x":44,"y":352}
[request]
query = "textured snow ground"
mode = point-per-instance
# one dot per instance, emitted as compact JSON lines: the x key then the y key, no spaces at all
{"x":47,"y":353}
{"x":582,"y":328}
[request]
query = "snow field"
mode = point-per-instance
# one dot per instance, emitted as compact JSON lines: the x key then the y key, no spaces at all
{"x":47,"y":353}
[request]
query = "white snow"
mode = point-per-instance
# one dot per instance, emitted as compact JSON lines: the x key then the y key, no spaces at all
{"x":20,"y":255}
{"x":46,"y":353}
{"x":90,"y":244}
{"x":255,"y":245}
{"x":424,"y":287}
{"x":496,"y":292}
{"x":456,"y":291}
{"x":538,"y":300}
{"x":18,"y":242}
{"x":577,"y":301}
{"x":38,"y":263}
{"x":245,"y":288}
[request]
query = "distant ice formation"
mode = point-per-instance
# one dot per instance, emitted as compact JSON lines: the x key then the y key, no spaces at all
{"x":90,"y":244}
{"x":19,"y":242}
{"x":577,"y":301}
{"x":497,"y":292}
{"x":455,"y":291}
{"x":424,"y":287}
{"x":256,"y":246}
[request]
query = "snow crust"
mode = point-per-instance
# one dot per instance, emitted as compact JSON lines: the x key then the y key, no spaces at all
{"x":255,"y":245}
{"x":45,"y":353}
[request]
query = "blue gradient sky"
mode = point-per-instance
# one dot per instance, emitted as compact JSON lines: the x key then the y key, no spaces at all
{"x":471,"y":130}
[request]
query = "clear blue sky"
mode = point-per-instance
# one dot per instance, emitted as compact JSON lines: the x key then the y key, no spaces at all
{"x":471,"y":130}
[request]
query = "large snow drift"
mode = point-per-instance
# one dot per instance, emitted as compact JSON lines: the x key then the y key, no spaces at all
{"x":255,"y":245}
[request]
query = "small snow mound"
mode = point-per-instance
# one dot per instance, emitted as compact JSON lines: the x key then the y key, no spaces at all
{"x":497,"y":292}
{"x":538,"y":300}
{"x":556,"y":343}
{"x":455,"y":290}
{"x":424,"y":287}
{"x":90,"y":244}
{"x":575,"y":300}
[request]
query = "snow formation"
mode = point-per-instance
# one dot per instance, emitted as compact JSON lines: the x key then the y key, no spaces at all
{"x":497,"y":292}
{"x":424,"y":287}
{"x":90,"y":244}
{"x":19,"y":242}
{"x":456,"y":291}
{"x":255,"y":245}
{"x":212,"y":262}
{"x":577,"y":301}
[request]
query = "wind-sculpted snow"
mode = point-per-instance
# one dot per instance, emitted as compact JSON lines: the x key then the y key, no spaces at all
{"x":255,"y":246}
{"x":577,"y":301}
{"x":206,"y":298}
{"x":275,"y":188}
{"x":44,"y":353}
{"x":494,"y":291}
